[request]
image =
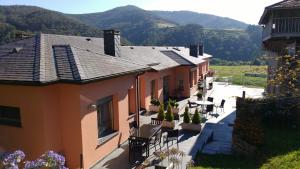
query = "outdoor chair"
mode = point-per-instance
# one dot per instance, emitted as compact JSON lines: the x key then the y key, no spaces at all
{"x":156,"y":140}
{"x":192,"y":104}
{"x":210,"y":111}
{"x":132,"y":127}
{"x":221,"y":106}
{"x":210,"y":99}
{"x":156,"y":121}
{"x":137,"y":147}
{"x":172,"y":135}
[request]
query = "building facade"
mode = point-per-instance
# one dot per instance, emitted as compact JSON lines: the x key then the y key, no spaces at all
{"x":78,"y":95}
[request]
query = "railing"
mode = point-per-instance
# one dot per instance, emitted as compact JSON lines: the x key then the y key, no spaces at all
{"x":282,"y":27}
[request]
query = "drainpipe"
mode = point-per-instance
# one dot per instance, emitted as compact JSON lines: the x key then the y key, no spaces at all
{"x":138,"y":97}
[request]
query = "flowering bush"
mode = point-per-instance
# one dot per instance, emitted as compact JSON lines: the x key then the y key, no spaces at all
{"x":48,"y":160}
{"x":11,"y":160}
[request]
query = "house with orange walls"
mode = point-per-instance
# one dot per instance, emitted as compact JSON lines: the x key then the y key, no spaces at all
{"x":175,"y":71}
{"x":78,"y":95}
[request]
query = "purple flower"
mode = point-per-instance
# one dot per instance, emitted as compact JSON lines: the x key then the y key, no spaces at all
{"x":10,"y":161}
{"x":39,"y":163}
{"x":49,"y":159}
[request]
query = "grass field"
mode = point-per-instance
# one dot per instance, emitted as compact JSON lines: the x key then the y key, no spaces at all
{"x":236,"y":75}
{"x":280,"y":151}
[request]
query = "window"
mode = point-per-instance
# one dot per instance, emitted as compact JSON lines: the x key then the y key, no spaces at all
{"x":180,"y":85}
{"x":105,"y":117}
{"x":10,"y":116}
{"x":153,"y":89}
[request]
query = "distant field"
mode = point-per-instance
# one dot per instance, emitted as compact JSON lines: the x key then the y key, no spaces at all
{"x":236,"y":75}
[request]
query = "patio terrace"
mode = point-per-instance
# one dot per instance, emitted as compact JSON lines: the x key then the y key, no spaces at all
{"x":214,"y":138}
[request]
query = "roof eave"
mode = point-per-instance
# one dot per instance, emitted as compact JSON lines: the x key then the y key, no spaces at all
{"x":78,"y":82}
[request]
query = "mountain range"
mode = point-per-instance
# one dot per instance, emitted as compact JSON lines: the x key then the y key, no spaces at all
{"x":224,"y":38}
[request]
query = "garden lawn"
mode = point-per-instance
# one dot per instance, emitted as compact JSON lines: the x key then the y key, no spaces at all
{"x":236,"y":75}
{"x":280,"y":151}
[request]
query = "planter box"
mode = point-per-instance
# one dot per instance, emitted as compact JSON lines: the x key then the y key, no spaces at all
{"x":175,"y":110}
{"x":168,"y":124}
{"x":153,"y":108}
{"x":191,"y":127}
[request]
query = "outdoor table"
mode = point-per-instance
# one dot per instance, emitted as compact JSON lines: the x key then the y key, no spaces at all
{"x":146,"y":131}
{"x":204,"y":103}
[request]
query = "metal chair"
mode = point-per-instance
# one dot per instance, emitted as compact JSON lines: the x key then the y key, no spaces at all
{"x":156,"y":121}
{"x":210,"y":111}
{"x":137,"y":147}
{"x":171,"y":136}
{"x":210,"y":99}
{"x":192,"y":104}
{"x":221,"y":106}
{"x":156,"y":140}
{"x":132,"y":127}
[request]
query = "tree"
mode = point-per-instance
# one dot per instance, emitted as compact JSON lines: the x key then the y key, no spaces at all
{"x":196,"y":118}
{"x":161,"y":112}
{"x":169,"y":114}
{"x":186,"y":116}
{"x":286,"y":76}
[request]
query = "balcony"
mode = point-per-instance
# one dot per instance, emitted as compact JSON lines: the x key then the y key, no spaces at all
{"x":284,"y":27}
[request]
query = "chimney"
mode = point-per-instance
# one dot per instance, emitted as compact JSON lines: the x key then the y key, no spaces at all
{"x":194,"y":50}
{"x":112,"y":43}
{"x":201,"y":49}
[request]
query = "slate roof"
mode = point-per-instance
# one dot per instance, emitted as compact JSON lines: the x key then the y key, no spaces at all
{"x":49,"y":58}
{"x":286,"y":4}
{"x":160,"y":58}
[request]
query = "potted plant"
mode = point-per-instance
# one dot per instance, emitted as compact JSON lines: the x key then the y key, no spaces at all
{"x":154,"y":107}
{"x":161,"y":113}
{"x":196,"y":121}
{"x":169,"y":120}
{"x":199,"y":95}
{"x":174,"y":106}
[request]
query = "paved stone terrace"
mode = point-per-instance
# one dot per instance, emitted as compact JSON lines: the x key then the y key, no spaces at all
{"x":219,"y":128}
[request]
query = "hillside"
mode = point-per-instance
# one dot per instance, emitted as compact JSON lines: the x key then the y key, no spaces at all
{"x":141,"y":27}
{"x":206,"y":20}
{"x":138,"y":26}
{"x":29,"y":19}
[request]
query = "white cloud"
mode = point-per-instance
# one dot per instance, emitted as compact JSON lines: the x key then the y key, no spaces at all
{"x":248,"y":11}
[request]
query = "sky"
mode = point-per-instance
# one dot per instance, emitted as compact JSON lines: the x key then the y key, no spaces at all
{"x":248,"y":11}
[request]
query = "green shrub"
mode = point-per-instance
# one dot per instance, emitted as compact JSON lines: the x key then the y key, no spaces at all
{"x":173,"y":103}
{"x":199,"y":95}
{"x":161,"y":112}
{"x":155,"y":102}
{"x":186,"y":116}
{"x":196,"y":118}
{"x":169,"y":114}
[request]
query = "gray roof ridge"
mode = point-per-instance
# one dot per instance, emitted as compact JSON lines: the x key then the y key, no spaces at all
{"x":77,"y":61}
{"x":70,"y":35}
{"x":42,"y":58}
{"x":37,"y":59}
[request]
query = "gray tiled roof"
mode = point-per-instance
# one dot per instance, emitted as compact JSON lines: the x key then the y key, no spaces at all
{"x":176,"y":57}
{"x":286,"y":4}
{"x":50,"y":58}
{"x":160,"y":58}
